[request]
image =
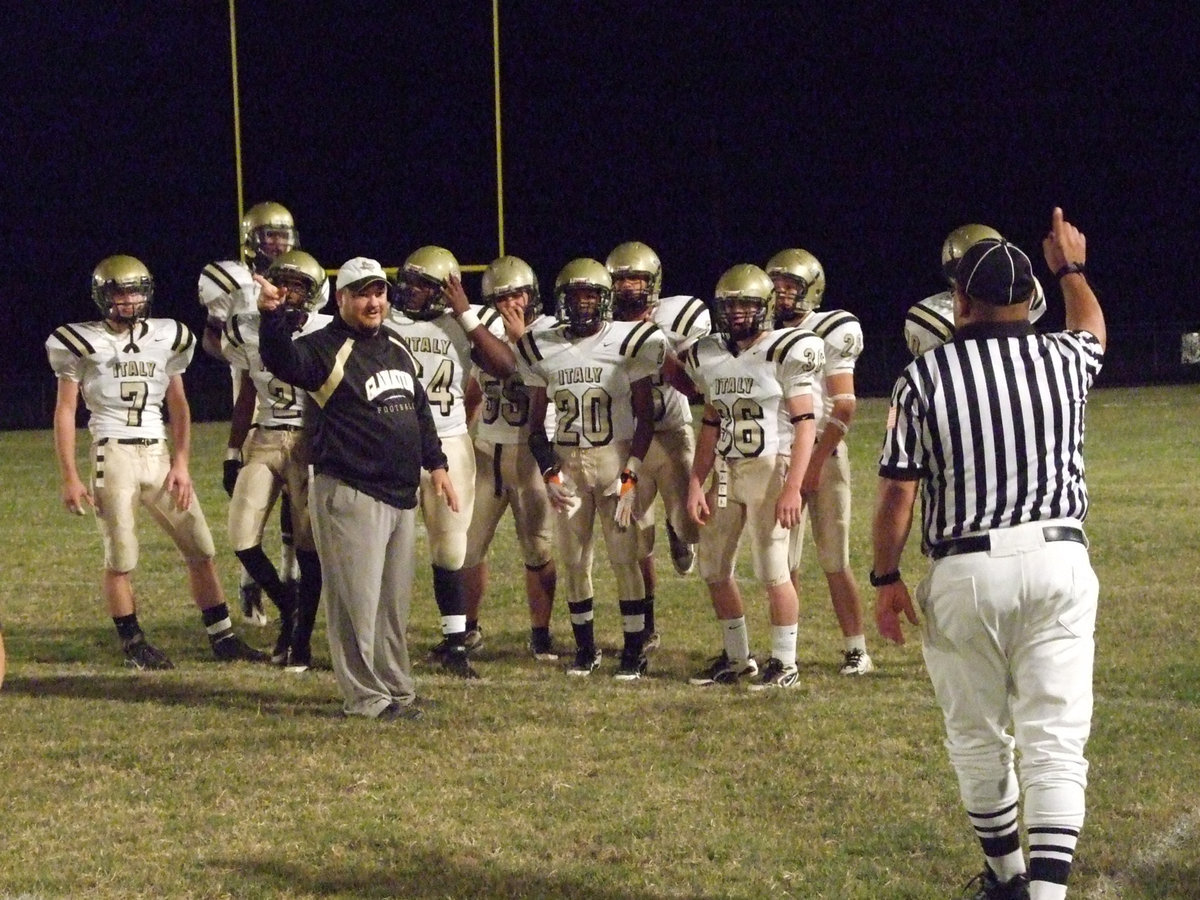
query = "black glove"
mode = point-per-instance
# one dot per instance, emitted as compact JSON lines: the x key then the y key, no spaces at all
{"x":229,"y":474}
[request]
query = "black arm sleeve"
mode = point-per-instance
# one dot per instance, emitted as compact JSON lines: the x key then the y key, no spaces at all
{"x":288,"y":360}
{"x":543,"y":453}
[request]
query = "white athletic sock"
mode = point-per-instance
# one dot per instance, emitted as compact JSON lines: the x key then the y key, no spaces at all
{"x":736,"y":639}
{"x":783,"y":643}
{"x":857,"y":642}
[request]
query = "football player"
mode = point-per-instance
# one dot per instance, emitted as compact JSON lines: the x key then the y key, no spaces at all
{"x":930,"y":323}
{"x":759,"y":421}
{"x":637,"y":283}
{"x":506,"y":475}
{"x":125,"y":367}
{"x":276,"y":456}
{"x":226,"y":288}
{"x":799,"y":281}
{"x":596,"y":373}
{"x":448,"y":336}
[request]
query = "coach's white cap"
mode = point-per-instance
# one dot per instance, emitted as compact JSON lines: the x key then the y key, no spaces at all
{"x":996,"y":272}
{"x":358,"y":273}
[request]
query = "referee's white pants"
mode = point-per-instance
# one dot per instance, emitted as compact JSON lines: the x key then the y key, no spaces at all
{"x":1009,"y":645}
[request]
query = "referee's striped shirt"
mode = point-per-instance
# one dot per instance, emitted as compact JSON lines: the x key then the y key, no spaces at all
{"x":992,"y":424}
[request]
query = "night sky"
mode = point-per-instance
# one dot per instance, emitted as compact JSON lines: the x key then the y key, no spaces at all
{"x":717,"y":135}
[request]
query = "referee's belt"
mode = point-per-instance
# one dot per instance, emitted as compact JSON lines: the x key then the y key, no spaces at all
{"x":136,"y":442}
{"x":282,"y":427}
{"x":983,"y":543}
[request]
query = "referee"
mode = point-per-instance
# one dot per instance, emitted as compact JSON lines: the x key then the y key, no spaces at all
{"x":990,"y":426}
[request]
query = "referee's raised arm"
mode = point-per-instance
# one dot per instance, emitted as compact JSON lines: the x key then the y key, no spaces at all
{"x":1065,"y":248}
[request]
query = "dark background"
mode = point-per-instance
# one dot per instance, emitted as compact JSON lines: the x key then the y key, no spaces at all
{"x":716,"y":133}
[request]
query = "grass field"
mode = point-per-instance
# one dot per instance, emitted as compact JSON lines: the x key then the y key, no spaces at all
{"x":219,"y":781}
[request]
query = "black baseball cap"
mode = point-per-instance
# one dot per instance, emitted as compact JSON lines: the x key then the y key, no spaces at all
{"x":996,"y":272}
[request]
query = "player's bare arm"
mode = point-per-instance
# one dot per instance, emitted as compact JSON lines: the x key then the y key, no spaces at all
{"x":210,"y":338}
{"x":790,"y":504}
{"x":702,"y":464}
{"x":889,"y":533}
{"x":841,"y":387}
{"x":73,"y":491}
{"x":493,"y":355}
{"x":179,"y":480}
{"x":1064,"y":246}
{"x":472,"y":399}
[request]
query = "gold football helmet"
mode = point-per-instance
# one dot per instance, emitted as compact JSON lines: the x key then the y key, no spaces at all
{"x":743,"y":284}
{"x":268,"y":230}
{"x":420,"y":283}
{"x":302,"y":276}
{"x":633,"y":259}
{"x":579,"y":275}
{"x":119,"y":274}
{"x":806,"y":270}
{"x":508,"y":275}
{"x":959,"y":241}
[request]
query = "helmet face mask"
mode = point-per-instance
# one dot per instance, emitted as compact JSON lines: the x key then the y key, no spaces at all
{"x":799,"y":280}
{"x":507,"y":278}
{"x":122,"y":289}
{"x":301,"y":276}
{"x":420,"y":283}
{"x":958,"y":242}
{"x":743,"y":303}
{"x":583,"y":290}
{"x":268,"y":230}
{"x":637,"y":279}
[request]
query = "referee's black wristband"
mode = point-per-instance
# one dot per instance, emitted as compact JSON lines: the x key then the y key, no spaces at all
{"x":1070,"y":269}
{"x":885,"y":579}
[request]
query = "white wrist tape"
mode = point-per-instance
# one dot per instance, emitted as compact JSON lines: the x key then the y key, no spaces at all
{"x":233,"y":453}
{"x":469,"y":321}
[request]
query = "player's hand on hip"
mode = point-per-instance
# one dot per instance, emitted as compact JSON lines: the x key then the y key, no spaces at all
{"x":444,"y":488}
{"x":891,"y":601}
{"x":269,"y":296}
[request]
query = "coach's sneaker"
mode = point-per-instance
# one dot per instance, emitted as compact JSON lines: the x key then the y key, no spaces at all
{"x":723,"y":670}
{"x":474,"y":639}
{"x":856,"y":662}
{"x":140,"y":654}
{"x":683,"y":554}
{"x":632,"y":668}
{"x":985,"y":886}
{"x":776,"y":675}
{"x":228,"y":647}
{"x":587,"y":661}
{"x":252,"y":605}
{"x":542,"y":648}
{"x":455,"y":662}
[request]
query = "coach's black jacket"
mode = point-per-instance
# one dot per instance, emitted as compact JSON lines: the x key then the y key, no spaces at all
{"x":372,"y":428}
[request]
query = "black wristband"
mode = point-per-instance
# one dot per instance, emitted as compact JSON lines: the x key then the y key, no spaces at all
{"x":1070,"y":269}
{"x":711,"y":423}
{"x":543,"y":453}
{"x":803,"y":417}
{"x":885,"y":579}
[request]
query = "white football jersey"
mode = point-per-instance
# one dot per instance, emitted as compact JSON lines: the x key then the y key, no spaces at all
{"x":930,"y":323}
{"x":843,"y":338}
{"x":279,"y":403}
{"x":123,"y":376}
{"x":443,"y":354}
{"x":589,"y":380}
{"x":750,"y":390}
{"x":684,"y":320}
{"x":504,"y":414}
